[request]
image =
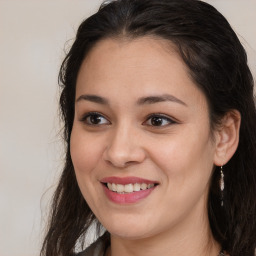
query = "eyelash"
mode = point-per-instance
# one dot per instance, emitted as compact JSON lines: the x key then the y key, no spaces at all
{"x":162,"y":118}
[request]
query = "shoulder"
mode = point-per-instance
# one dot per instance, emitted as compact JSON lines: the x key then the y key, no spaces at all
{"x":98,"y":248}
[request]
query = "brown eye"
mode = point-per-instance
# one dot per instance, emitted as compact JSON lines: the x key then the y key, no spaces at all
{"x":158,"y":120}
{"x":95,"y":119}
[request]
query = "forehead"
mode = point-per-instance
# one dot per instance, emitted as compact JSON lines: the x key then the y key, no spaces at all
{"x":138,"y":66}
{"x":133,"y":55}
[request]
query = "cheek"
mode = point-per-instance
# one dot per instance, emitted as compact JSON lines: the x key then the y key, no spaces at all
{"x":185,"y":160}
{"x":85,"y":151}
{"x":85,"y":154}
{"x":186,"y":169}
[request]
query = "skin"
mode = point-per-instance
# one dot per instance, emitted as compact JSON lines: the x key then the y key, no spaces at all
{"x":180,"y":154}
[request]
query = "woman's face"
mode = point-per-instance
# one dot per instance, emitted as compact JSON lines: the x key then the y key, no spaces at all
{"x":141,"y":127}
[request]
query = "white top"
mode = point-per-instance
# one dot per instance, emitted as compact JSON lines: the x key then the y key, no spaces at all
{"x":98,"y":248}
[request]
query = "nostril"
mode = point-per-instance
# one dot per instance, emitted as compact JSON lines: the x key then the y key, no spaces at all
{"x":119,"y":164}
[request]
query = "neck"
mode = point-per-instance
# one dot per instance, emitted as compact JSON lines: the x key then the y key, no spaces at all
{"x":192,"y":237}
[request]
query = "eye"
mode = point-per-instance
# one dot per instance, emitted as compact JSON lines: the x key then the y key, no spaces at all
{"x":159,"y":120}
{"x":94,"y":118}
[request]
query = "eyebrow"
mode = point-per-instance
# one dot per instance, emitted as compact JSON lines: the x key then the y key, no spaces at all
{"x":159,"y":98}
{"x":141,"y":101}
{"x":93,"y":98}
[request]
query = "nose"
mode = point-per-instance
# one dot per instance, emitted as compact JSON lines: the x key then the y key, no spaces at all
{"x":124,"y":148}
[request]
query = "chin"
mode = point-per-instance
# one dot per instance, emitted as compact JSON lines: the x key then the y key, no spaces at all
{"x":130,"y":234}
{"x":129,"y":230}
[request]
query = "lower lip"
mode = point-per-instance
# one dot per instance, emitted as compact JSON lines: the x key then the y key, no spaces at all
{"x":127,"y":198}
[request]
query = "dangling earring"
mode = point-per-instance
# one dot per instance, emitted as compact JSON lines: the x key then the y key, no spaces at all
{"x":222,"y":186}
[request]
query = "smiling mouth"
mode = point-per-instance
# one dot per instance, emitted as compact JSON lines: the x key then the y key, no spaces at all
{"x":129,"y":188}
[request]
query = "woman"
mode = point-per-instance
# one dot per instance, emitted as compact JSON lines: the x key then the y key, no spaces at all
{"x":160,"y":130}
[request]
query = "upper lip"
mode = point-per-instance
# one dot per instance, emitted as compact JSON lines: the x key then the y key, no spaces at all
{"x":127,"y":180}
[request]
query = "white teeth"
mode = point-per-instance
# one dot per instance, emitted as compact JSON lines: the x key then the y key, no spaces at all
{"x":113,"y":187}
{"x":109,"y":186}
{"x":119,"y":188}
{"x":143,"y":186}
{"x":136,"y":187}
{"x":128,"y":188}
{"x":150,"y":185}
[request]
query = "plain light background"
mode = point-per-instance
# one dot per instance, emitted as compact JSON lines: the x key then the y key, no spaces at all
{"x":33,"y":35}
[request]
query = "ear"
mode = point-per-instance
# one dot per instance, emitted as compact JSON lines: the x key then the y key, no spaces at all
{"x":227,"y":137}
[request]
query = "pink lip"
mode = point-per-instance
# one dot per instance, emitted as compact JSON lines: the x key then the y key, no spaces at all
{"x":126,"y":180}
{"x":126,"y":198}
